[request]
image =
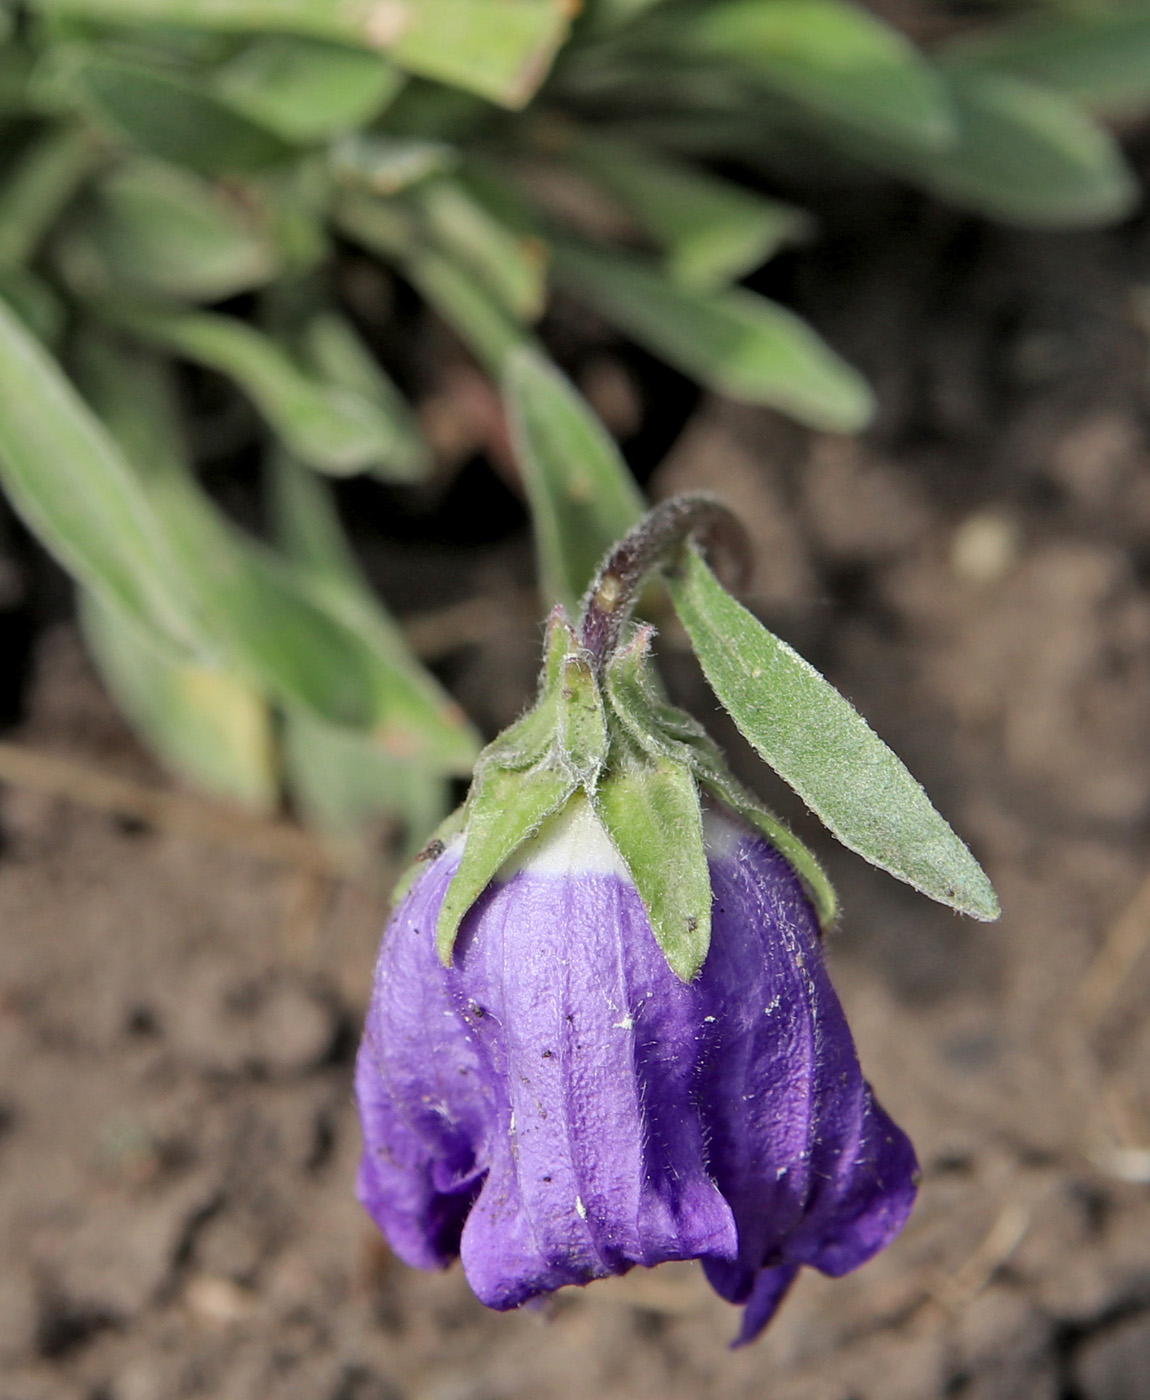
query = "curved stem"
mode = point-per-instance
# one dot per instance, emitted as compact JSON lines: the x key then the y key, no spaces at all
{"x":659,"y":536}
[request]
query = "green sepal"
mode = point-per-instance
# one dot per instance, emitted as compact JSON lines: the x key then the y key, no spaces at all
{"x":663,"y":729}
{"x":529,"y":772}
{"x":505,"y":808}
{"x":650,"y":807}
{"x":531,"y":738}
{"x":443,"y":835}
{"x":582,"y":733}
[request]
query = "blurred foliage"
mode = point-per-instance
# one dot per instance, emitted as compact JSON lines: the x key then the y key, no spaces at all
{"x":163,"y":158}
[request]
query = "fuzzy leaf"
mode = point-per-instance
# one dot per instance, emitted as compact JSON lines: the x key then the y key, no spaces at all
{"x":330,"y":426}
{"x":714,"y":232}
{"x":583,"y":498}
{"x":306,"y":90}
{"x":651,"y":812}
{"x":68,"y":480}
{"x":172,"y":118}
{"x":1025,"y":154}
{"x":819,"y":744}
{"x":734,"y":341}
{"x":43,"y":179}
{"x":509,"y":266}
{"x":500,"y":49}
{"x":155,"y":229}
{"x":204,"y":720}
{"x":451,"y":288}
{"x":341,"y":781}
{"x":834,"y":59}
{"x":1101,"y":59}
{"x":335,"y":352}
{"x":662,"y":730}
{"x":310,"y":644}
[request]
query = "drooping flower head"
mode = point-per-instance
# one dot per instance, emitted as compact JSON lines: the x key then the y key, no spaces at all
{"x":601,"y":1032}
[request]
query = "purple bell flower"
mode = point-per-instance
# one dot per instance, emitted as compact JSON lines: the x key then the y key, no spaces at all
{"x":558,"y":1106}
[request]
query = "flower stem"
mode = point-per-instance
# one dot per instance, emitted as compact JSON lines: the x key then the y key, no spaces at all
{"x":656,"y":540}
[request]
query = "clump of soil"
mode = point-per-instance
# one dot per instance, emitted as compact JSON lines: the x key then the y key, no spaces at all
{"x":177,"y":1018}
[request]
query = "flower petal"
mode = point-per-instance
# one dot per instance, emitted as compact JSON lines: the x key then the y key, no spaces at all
{"x":592,"y":1181}
{"x":815,"y":1171}
{"x":424,"y":1105}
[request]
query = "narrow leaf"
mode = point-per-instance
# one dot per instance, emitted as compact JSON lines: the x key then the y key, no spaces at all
{"x":330,"y":426}
{"x":662,"y":731}
{"x":172,"y":118}
{"x":1101,"y":59}
{"x":342,"y":782}
{"x":734,"y":341}
{"x":819,"y":744}
{"x":714,"y":232}
{"x":452,"y":290}
{"x":426,"y":725}
{"x":385,"y":165}
{"x":1029,"y":156}
{"x":651,"y":812}
{"x":306,"y":90}
{"x":500,"y":49}
{"x":157,"y":230}
{"x":835,"y":59}
{"x":69,"y":482}
{"x":504,"y":809}
{"x":44,"y":179}
{"x":206,"y":722}
{"x":333,"y":349}
{"x":583,"y":498}
{"x":509,"y":266}
{"x":312,"y":646}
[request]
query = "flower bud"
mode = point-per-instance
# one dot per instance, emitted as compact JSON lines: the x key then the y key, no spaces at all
{"x":602,"y":1033}
{"x":558,"y":1106}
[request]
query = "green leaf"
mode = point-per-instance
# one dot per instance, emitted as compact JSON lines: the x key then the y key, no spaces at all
{"x":170,"y":117}
{"x":500,"y":49}
{"x":208,"y":724}
{"x":334,"y":428}
{"x":69,"y":482}
{"x":158,"y":230}
{"x":651,"y":812}
{"x":509,"y":266}
{"x":311,"y":645}
{"x":331,"y":347}
{"x":582,"y":496}
{"x":582,"y":728}
{"x":1028,"y":156}
{"x":341,"y":782}
{"x":714,"y":232}
{"x":663,"y":731}
{"x":34,"y":302}
{"x":450,"y":288}
{"x":387,"y":164}
{"x":834,"y":59}
{"x":503,"y":810}
{"x":42,"y":182}
{"x":734,"y":341}
{"x":306,"y":90}
{"x":307,"y":523}
{"x":819,"y":744}
{"x":1100,"y":59}
{"x":1025,"y":154}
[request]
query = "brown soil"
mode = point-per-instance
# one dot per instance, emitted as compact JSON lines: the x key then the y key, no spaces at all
{"x":177,"y":1018}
